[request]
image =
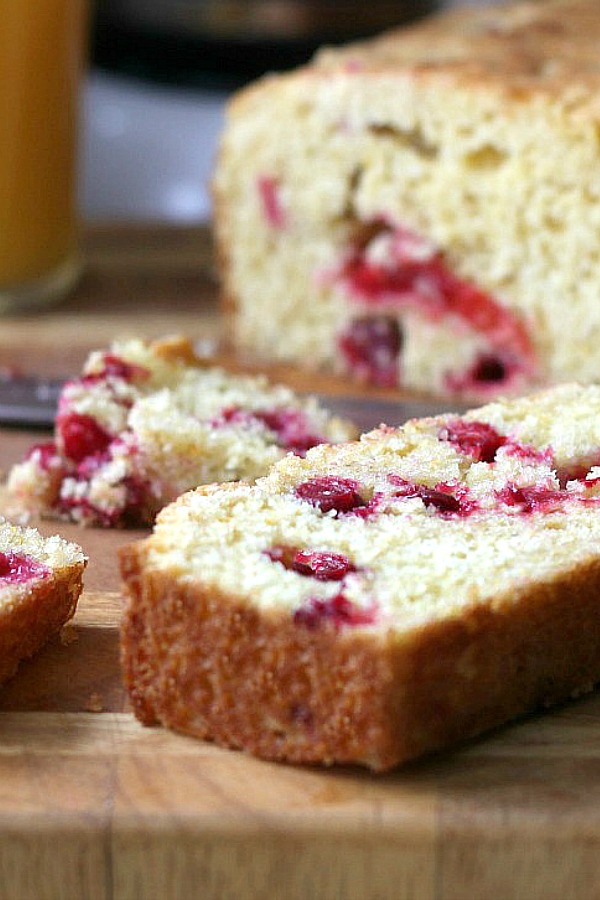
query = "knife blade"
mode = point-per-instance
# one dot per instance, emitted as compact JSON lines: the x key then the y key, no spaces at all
{"x":370,"y":412}
{"x":31,"y":401}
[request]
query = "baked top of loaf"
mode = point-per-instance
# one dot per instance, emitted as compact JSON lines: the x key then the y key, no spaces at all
{"x":40,"y":583}
{"x":381,"y":551}
{"x":549,"y":46}
{"x":146,"y":421}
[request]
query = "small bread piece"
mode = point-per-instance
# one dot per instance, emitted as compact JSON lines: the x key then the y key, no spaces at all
{"x":40,"y":583}
{"x":382,"y":598}
{"x":147,"y":421}
{"x":421,"y":209}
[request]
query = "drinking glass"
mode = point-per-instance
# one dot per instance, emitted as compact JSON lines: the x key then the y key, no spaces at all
{"x":41,"y":54}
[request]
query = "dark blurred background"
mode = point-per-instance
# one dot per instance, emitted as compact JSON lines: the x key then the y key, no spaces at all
{"x":195,"y":42}
{"x":160,"y":74}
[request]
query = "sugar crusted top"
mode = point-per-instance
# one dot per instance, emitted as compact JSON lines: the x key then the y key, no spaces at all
{"x":550,"y":46}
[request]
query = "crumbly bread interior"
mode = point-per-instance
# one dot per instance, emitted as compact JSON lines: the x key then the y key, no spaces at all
{"x":146,"y":421}
{"x":478,"y":132}
{"x":54,"y":552}
{"x":382,"y":598}
{"x":412,"y":563}
{"x":40,"y":583}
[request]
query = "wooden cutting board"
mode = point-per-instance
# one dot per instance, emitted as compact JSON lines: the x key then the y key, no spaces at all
{"x":95,"y":807}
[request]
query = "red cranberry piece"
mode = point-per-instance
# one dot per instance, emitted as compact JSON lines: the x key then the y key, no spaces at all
{"x":530,"y":454}
{"x":292,"y":429}
{"x":232,"y":415}
{"x":442,"y":500}
{"x":371,"y":346}
{"x":119,"y":368}
{"x":90,"y":465}
{"x":270,"y":197}
{"x":45,"y":454}
{"x":290,"y":426}
{"x":531,"y":498}
{"x":136,"y":508}
{"x":88,"y":511}
{"x":439,"y":499}
{"x":329,"y":492}
{"x":473,"y":305}
{"x":82,"y":436}
{"x":115,"y":367}
{"x":397,"y":282}
{"x":476,"y":439}
{"x":489,"y":370}
{"x":424,"y":281}
{"x":322,"y":564}
{"x":338,"y":610}
{"x":17,"y":568}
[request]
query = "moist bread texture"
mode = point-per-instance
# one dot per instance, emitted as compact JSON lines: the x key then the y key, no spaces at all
{"x":146,"y":421}
{"x":378,"y":599}
{"x":422,"y":210}
{"x":40,"y":583}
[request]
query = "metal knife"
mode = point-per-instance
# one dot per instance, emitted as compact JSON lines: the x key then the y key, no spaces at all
{"x":30,"y":402}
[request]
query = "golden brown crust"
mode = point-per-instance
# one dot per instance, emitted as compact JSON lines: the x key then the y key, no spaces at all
{"x":519,"y":47}
{"x":502,"y":660}
{"x":212,"y":666}
{"x":177,"y":349}
{"x":30,"y":622}
{"x":533,"y":46}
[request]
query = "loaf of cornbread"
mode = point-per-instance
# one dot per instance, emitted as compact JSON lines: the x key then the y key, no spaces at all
{"x":147,"y":421}
{"x":40,"y":583}
{"x":378,"y":599}
{"x":422,"y":210}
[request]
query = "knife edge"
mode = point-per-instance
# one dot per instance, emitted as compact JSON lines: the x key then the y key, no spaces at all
{"x":31,"y":402}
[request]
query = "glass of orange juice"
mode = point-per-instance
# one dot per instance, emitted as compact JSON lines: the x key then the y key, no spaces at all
{"x":41,"y":54}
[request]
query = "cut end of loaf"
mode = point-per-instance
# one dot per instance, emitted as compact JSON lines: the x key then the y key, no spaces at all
{"x":419,"y":222}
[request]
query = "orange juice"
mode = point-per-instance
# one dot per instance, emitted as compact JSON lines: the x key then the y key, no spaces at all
{"x":40,"y":64}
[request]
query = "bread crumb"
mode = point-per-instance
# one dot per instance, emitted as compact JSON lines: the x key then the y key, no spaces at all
{"x":69,"y":635}
{"x":94,"y":703}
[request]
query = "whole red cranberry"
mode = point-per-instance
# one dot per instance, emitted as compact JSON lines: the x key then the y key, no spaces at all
{"x":329,"y":492}
{"x":371,"y":346}
{"x":476,"y":439}
{"x":81,"y":436}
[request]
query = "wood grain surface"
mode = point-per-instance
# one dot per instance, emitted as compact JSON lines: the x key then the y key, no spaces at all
{"x":95,"y":807}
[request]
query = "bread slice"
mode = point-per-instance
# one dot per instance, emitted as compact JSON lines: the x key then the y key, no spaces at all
{"x":40,"y":583}
{"x":421,"y":210}
{"x":382,"y":598}
{"x":147,"y":421}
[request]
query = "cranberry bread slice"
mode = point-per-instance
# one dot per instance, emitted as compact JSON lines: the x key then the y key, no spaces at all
{"x":421,"y":209}
{"x":382,"y":598}
{"x":40,"y":583}
{"x":147,"y":421}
